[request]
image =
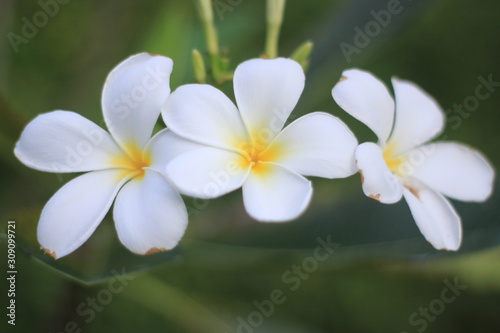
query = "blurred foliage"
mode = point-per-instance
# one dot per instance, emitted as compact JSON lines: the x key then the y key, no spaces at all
{"x":383,"y":271}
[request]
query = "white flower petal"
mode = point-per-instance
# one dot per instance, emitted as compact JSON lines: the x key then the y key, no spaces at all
{"x":165,"y":146}
{"x":317,"y":144}
{"x":149,"y":214}
{"x":378,"y":181}
{"x":453,"y":169}
{"x":367,"y":99}
{"x":75,"y":211}
{"x":204,"y":114}
{"x":207,"y":172}
{"x":276,"y":194}
{"x":435,"y":217}
{"x":266,"y":92}
{"x":133,"y":95}
{"x":64,"y":141}
{"x":419,"y":118}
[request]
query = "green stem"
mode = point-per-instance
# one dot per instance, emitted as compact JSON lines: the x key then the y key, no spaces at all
{"x":211,"y":39}
{"x":275,"y":11}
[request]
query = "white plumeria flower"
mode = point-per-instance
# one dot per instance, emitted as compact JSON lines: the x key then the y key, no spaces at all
{"x":149,"y":213}
{"x":404,"y":164}
{"x":246,"y":146}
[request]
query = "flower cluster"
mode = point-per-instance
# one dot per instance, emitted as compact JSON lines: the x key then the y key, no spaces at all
{"x":212,"y":147}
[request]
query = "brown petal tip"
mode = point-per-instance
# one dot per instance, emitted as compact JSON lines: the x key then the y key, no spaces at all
{"x":154,"y":250}
{"x":342,"y":78}
{"x":362,"y":177}
{"x":414,"y":192}
{"x":50,"y":253}
{"x":376,"y":196}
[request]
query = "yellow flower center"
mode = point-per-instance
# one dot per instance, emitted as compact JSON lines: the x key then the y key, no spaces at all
{"x":394,"y":163}
{"x":133,"y":160}
{"x":256,"y":153}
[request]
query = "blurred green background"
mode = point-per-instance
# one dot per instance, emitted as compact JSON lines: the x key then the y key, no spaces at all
{"x":382,"y":275}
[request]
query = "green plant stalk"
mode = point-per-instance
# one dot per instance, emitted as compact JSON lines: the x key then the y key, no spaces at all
{"x":211,"y":38}
{"x":275,"y":11}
